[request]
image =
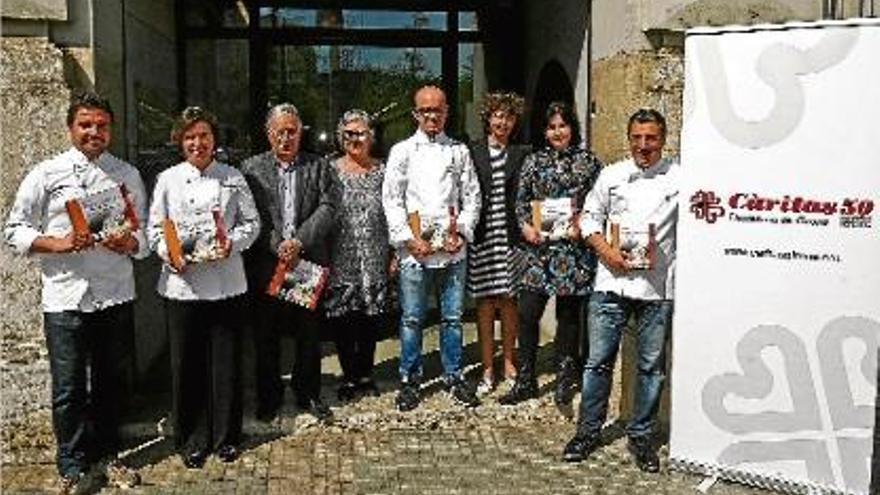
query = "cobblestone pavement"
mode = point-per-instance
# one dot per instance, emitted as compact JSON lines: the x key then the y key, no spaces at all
{"x":371,"y":448}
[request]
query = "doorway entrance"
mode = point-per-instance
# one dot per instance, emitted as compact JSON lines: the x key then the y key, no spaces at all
{"x":238,"y":58}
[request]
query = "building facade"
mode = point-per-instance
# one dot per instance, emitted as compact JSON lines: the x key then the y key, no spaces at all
{"x":153,"y":57}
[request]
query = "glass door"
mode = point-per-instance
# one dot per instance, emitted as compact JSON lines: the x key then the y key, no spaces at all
{"x":325,"y":81}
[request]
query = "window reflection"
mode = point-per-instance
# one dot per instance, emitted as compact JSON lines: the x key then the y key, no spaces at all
{"x":325,"y":81}
{"x":351,"y":19}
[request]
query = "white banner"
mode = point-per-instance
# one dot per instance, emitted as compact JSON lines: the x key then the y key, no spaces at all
{"x":777,"y":323}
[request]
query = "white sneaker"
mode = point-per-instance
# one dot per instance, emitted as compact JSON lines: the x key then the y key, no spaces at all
{"x":506,"y":385}
{"x":485,"y":387}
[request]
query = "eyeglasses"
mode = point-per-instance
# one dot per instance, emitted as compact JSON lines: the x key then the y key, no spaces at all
{"x":355,"y":135}
{"x":285,"y":133}
{"x":428,"y":112}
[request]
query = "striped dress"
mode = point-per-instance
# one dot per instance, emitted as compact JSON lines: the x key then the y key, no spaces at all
{"x":493,"y":263}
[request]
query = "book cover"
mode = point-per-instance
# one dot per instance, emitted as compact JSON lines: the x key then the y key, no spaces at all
{"x":301,"y":284}
{"x":552,"y":217}
{"x":103,"y":213}
{"x":637,"y":245}
{"x":197,"y":239}
{"x":435,"y":229}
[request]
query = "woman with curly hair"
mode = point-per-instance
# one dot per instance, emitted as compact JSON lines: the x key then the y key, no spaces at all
{"x":493,"y":260}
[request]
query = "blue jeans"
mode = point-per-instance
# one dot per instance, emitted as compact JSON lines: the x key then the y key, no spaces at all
{"x":608,"y":315}
{"x":87,"y":359}
{"x":416,"y":282}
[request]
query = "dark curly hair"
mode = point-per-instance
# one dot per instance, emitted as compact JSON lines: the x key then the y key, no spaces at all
{"x":87,"y":99}
{"x":497,"y":100}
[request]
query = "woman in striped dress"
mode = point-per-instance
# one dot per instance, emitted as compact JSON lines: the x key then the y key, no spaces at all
{"x":493,"y":267}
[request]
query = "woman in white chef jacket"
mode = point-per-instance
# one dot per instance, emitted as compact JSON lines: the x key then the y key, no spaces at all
{"x":204,"y":295}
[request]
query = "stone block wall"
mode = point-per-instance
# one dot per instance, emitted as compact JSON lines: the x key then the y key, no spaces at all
{"x":625,"y":82}
{"x":34,"y":104}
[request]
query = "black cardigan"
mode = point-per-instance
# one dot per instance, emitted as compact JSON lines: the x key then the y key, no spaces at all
{"x":516,"y":153}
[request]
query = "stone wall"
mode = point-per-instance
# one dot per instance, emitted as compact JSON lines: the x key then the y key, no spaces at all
{"x":34,"y":104}
{"x":626,"y":82}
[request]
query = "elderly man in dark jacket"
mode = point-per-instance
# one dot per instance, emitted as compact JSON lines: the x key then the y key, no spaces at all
{"x":296,"y":195}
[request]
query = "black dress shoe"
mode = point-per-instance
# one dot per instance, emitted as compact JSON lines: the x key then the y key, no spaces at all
{"x":318,"y":409}
{"x":463,"y":393}
{"x":408,"y":398}
{"x":267,"y":414}
{"x":194,"y":459}
{"x":521,"y":391}
{"x":578,"y":448}
{"x":643,"y":452}
{"x":227,"y":453}
{"x":346,"y":392}
{"x":367,"y":386}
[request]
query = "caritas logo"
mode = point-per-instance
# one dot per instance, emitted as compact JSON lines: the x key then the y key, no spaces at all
{"x":706,"y":206}
{"x":787,"y":209}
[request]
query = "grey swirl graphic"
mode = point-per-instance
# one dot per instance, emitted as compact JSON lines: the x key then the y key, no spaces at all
{"x":844,"y":412}
{"x":781,"y":67}
{"x":757,"y":382}
{"x":813,"y":452}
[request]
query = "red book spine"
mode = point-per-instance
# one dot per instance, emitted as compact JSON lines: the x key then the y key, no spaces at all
{"x":453,"y":220}
{"x":130,"y":213}
{"x":277,"y":279}
{"x":319,"y":289}
{"x":220,"y":227}
{"x":77,"y":218}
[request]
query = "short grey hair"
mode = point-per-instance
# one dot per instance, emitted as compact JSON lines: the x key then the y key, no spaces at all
{"x":280,"y":109}
{"x":354,"y":115}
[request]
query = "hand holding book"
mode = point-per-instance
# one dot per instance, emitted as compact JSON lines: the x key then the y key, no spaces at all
{"x":199,"y":239}
{"x":635,"y":245}
{"x":431,"y":235}
{"x":553,"y":220}
{"x":301,"y":282}
{"x":105,"y":217}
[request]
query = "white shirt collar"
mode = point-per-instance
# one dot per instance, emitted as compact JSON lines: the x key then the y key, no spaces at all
{"x":421,"y":137}
{"x":207,"y":169}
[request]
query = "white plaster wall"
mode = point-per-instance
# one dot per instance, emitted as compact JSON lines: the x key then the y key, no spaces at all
{"x":616,"y":28}
{"x":619,"y":25}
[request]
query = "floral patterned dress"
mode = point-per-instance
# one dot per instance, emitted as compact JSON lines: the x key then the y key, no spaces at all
{"x":562,"y":268}
{"x":359,"y":278}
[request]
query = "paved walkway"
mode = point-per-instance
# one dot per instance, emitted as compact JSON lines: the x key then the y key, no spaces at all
{"x":439,"y":448}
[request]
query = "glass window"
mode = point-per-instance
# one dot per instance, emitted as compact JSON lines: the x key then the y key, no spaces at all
{"x":471,"y":88}
{"x":218,"y":80}
{"x":351,"y":19}
{"x":325,"y":81}
{"x":225,"y":13}
{"x":467,"y":21}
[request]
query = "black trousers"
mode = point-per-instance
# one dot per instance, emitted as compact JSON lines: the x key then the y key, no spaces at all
{"x":88,"y":358}
{"x":355,"y":335}
{"x":530,"y":306}
{"x":273,"y":319}
{"x":205,"y":344}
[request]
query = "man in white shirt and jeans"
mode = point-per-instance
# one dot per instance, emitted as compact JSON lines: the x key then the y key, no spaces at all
{"x":637,"y":199}
{"x":432,"y":175}
{"x":88,"y":286}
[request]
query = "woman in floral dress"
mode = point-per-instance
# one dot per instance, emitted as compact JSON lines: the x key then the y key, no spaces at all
{"x":561,"y":266}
